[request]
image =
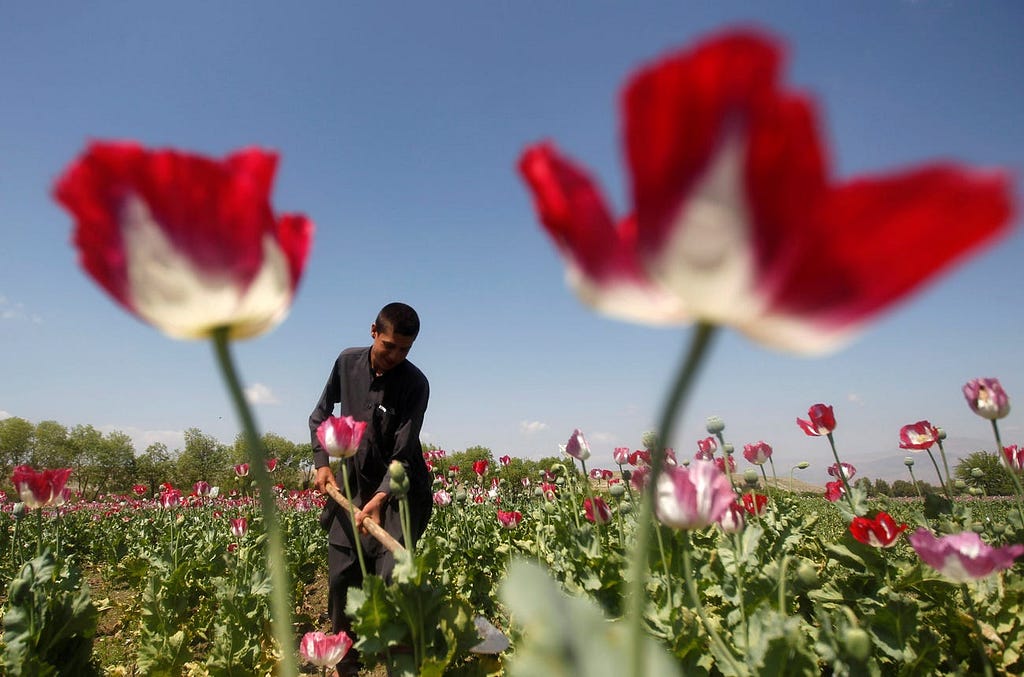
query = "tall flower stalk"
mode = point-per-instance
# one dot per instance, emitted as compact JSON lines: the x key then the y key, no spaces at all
{"x":700,"y":341}
{"x":280,"y":593}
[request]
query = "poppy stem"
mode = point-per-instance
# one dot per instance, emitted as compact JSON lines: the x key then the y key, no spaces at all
{"x":700,"y":341}
{"x":842,"y":474}
{"x":945,"y":485}
{"x":352,"y":516}
{"x":1013,"y":473}
{"x":275,"y":553}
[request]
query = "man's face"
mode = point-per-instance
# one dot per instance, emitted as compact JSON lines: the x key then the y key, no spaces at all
{"x":389,"y":349}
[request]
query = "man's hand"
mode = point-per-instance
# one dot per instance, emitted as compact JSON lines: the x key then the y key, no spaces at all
{"x":371,"y":510}
{"x":324,"y":476}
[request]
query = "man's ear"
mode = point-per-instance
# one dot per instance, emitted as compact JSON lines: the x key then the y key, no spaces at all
{"x":373,"y":330}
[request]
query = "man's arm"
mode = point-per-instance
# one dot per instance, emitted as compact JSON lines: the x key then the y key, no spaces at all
{"x":323,"y":409}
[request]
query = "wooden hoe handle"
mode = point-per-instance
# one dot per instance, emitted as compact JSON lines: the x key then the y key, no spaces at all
{"x":376,"y":530}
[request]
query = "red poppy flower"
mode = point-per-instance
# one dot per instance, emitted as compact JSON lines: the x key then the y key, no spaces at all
{"x":596,"y":510}
{"x":822,"y":420}
{"x":755,"y":504}
{"x":510,"y":519}
{"x":40,"y":488}
{"x":736,"y":218}
{"x":880,"y":532}
{"x":706,"y":449}
{"x":918,"y":436}
{"x":480,"y":467}
{"x":834,"y":490}
{"x":187,"y":243}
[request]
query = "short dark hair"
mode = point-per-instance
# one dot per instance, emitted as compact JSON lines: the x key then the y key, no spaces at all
{"x":400,"y":318}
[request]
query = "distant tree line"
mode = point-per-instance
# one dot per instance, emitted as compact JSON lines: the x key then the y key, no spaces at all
{"x":980,"y":473}
{"x":108,"y":463}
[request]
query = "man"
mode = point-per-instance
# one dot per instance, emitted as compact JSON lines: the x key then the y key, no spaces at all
{"x":378,"y":385}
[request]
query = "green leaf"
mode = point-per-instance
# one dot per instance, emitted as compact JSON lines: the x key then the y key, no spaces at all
{"x":569,"y":636}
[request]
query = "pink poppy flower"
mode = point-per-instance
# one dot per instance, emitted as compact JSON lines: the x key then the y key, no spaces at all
{"x":242,"y":470}
{"x":549,"y":490}
{"x":510,"y":519}
{"x":880,"y":532}
{"x":1014,"y":456}
{"x":706,"y":449}
{"x":732,"y":520}
{"x":271,"y":464}
{"x":736,"y":218}
{"x":834,"y":490}
{"x":442,"y":498}
{"x":722,"y":461}
{"x":170,"y":498}
{"x":621,"y":455}
{"x":239,"y":527}
{"x":40,"y":488}
{"x":139,"y":489}
{"x":963,"y":557}
{"x":693,"y":497}
{"x":186,"y":243}
{"x":340,"y":435}
{"x":201,"y":488}
{"x":986,"y":398}
{"x":596,"y":510}
{"x":577,"y":446}
{"x":918,"y":436}
{"x":822,"y":420}
{"x":324,"y":651}
{"x":505,"y":460}
{"x":840,"y":470}
{"x":757,"y":453}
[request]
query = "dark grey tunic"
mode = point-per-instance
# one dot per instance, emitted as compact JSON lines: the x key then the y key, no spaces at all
{"x":393,"y":406}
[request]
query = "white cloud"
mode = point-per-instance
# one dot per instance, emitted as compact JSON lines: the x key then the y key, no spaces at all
{"x":532,"y":427}
{"x":4,"y":414}
{"x":258,"y":393}
{"x":10,"y":310}
{"x":141,"y":439}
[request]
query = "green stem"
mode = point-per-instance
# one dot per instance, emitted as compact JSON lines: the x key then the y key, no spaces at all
{"x":664,"y":564}
{"x":403,"y":514}
{"x":700,"y":342}
{"x":691,"y":586}
{"x":914,"y":480}
{"x":280,"y":602}
{"x":945,"y":487}
{"x":985,"y":661}
{"x":1013,"y":473}
{"x":945,"y":464}
{"x":842,"y":474}
{"x":352,"y":516}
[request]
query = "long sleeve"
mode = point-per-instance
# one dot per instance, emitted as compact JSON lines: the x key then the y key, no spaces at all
{"x":324,"y":408}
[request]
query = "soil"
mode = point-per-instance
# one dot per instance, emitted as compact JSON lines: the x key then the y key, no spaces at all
{"x":113,"y":644}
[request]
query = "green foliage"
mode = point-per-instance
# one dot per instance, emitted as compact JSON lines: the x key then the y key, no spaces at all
{"x":994,"y":478}
{"x":416,"y":625}
{"x":49,"y":622}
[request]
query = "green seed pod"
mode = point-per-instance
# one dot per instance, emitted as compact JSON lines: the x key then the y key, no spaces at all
{"x":625,"y":508}
{"x":803,"y":465}
{"x":960,"y":485}
{"x":907,"y":461}
{"x":857,"y":643}
{"x":461,"y":495}
{"x":977,"y":473}
{"x":550,"y":508}
{"x":18,"y":511}
{"x":649,"y":440}
{"x":807,"y":574}
{"x":538,"y":492}
{"x":399,"y":487}
{"x":715,"y":425}
{"x":728,"y":449}
{"x":617,"y":490}
{"x":750,"y":477}
{"x":397,"y":471}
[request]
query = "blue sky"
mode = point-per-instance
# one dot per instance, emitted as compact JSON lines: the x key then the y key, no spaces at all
{"x":399,"y":127}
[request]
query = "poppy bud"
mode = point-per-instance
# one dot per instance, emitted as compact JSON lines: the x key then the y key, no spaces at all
{"x":857,"y":644}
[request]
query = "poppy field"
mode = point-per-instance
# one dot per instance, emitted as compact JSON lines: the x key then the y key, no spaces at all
{"x":628,"y":562}
{"x":517,"y":576}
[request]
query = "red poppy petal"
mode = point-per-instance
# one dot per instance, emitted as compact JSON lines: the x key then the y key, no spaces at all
{"x":677,"y":113}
